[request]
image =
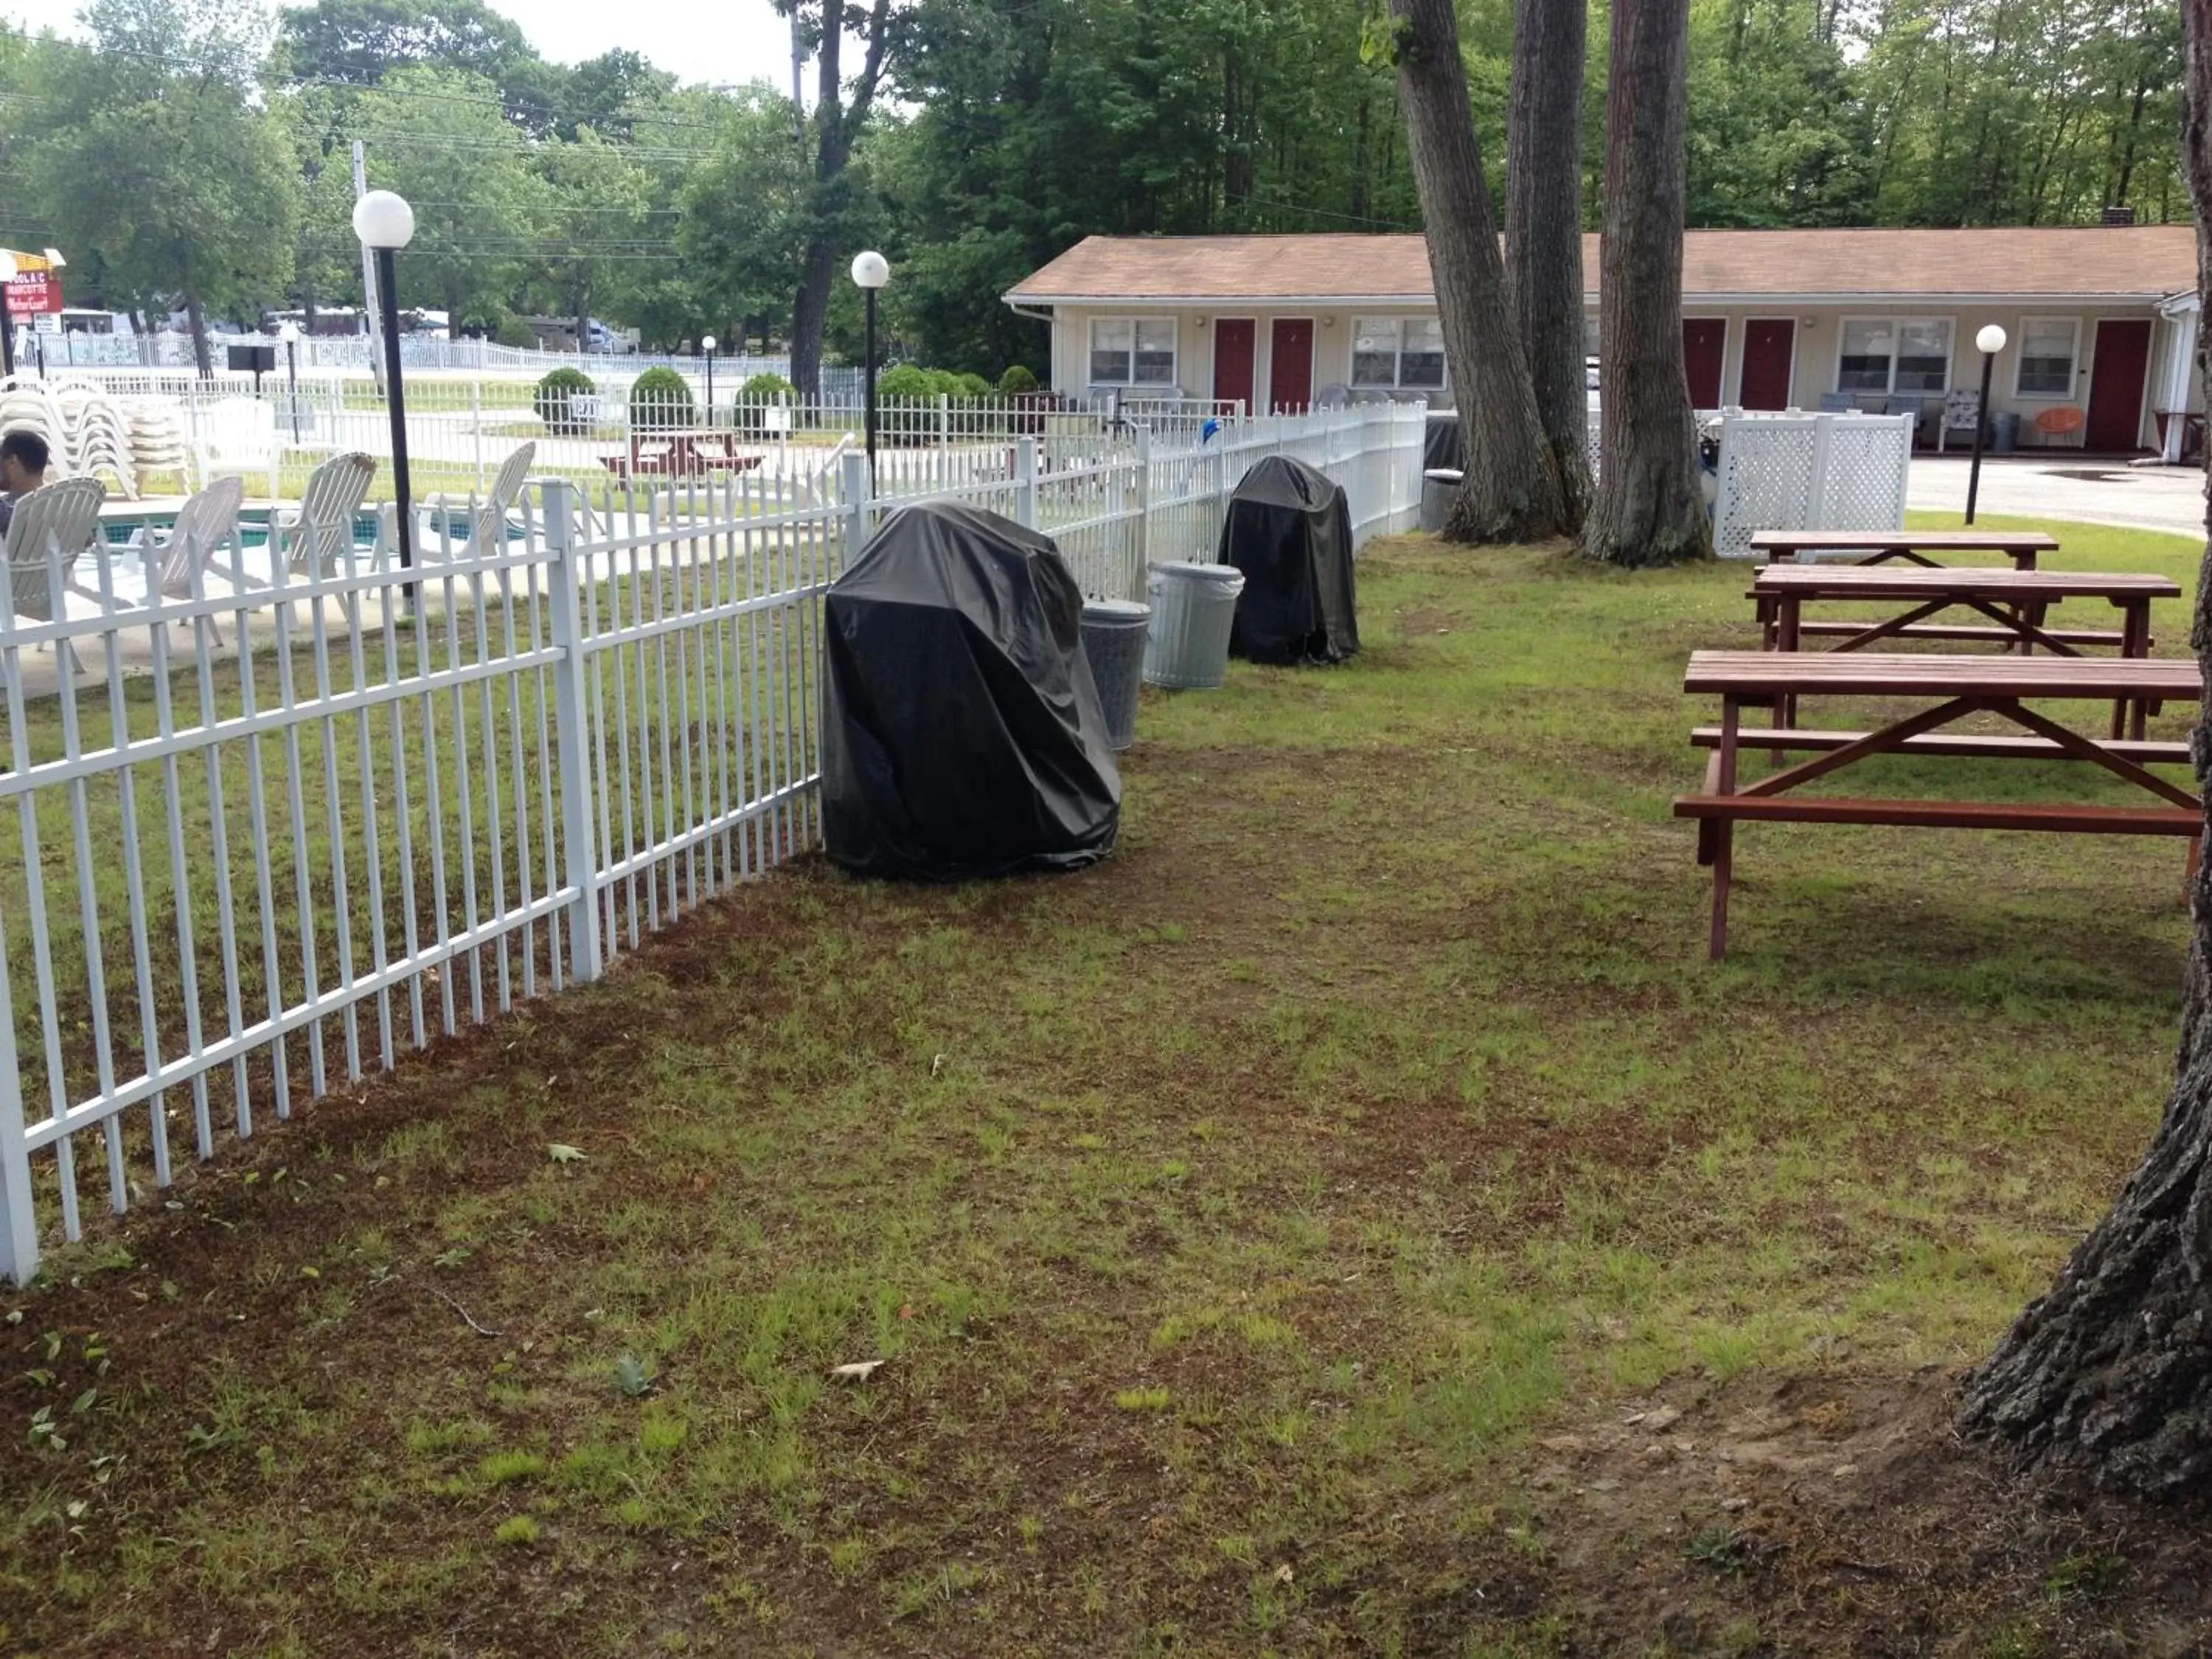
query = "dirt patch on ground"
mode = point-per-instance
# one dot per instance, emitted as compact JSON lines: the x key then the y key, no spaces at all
{"x":1837,"y":1512}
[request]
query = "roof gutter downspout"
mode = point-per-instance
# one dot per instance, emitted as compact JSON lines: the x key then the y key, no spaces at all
{"x":1034,"y":316}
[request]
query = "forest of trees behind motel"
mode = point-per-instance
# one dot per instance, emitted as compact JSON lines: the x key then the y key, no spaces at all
{"x":205,"y":146}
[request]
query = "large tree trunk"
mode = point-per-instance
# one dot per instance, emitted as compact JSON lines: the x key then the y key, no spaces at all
{"x":1649,"y":508}
{"x":196,"y":316}
{"x":809,"y":311}
{"x":1511,"y":490}
{"x":1543,"y":231}
{"x":837,"y":123}
{"x":2111,"y":1373}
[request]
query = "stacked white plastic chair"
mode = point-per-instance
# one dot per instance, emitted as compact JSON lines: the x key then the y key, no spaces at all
{"x":158,"y":443}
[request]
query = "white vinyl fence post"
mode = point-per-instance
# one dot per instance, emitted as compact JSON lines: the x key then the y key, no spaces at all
{"x":476,"y":431}
{"x":1140,"y":542}
{"x":944,"y":420}
{"x":572,"y":741}
{"x":19,"y":1221}
{"x":854,"y":494}
{"x":1025,"y":484}
{"x":1816,"y":485}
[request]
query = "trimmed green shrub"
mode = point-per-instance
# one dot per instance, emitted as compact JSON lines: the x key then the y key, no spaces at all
{"x":973,"y":386}
{"x":555,"y":400}
{"x":758,"y":396}
{"x":661,"y":398}
{"x":907,"y":380}
{"x":1017,"y":382}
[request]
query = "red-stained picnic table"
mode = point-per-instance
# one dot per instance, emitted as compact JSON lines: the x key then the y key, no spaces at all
{"x":2022,"y":547}
{"x":1955,"y":686}
{"x":2016,"y":604}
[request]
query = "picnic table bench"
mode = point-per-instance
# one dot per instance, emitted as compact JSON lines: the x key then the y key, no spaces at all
{"x":1961,"y":685}
{"x":2022,"y":547}
{"x":679,"y":452}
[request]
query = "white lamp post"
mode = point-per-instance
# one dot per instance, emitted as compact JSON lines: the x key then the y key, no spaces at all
{"x":870,"y":272}
{"x":386,"y":224}
{"x":707,"y":346}
{"x":1990,"y":341}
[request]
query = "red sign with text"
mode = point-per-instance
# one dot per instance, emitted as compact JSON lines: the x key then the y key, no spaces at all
{"x":35,"y":293}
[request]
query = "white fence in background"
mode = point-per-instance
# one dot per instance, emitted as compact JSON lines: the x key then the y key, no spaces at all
{"x":1809,"y":472}
{"x":269,"y":867}
{"x":60,"y":353}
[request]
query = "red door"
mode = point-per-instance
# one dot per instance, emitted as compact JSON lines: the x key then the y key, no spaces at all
{"x":1290,"y":373}
{"x":1704,"y":342}
{"x":1234,"y":339}
{"x":2115,"y":386}
{"x":1770,"y":345}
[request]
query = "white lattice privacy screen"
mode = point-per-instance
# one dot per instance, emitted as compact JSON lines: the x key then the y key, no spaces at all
{"x":1809,"y":472}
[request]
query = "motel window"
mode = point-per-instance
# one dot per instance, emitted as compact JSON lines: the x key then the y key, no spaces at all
{"x":2049,"y":348}
{"x":1398,"y":351}
{"x":1133,"y":351}
{"x":1894,"y":353}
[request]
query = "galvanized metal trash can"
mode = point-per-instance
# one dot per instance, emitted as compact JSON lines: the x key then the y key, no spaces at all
{"x":1194,"y":608}
{"x":1114,"y":632}
{"x":1437,"y":485}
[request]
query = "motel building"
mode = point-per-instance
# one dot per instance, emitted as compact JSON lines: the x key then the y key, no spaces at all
{"x":2101,"y":324}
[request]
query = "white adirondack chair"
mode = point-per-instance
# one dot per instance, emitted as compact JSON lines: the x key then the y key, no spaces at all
{"x":315,"y":538}
{"x":484,"y":518}
{"x":52,"y":525}
{"x":205,"y":525}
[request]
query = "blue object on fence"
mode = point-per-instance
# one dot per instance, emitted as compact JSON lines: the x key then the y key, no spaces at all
{"x":1212,"y":429}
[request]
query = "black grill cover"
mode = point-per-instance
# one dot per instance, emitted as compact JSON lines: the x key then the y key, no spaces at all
{"x":962,"y":734}
{"x":1288,"y":530}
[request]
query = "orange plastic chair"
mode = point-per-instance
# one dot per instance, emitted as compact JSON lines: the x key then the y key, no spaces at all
{"x":2062,"y":422}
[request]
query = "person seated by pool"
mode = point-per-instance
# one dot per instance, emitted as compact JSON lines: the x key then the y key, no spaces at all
{"x":24,"y":458}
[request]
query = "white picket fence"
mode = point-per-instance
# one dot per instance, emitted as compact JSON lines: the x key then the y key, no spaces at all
{"x":269,"y":867}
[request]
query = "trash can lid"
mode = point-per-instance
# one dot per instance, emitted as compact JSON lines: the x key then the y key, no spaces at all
{"x":1208,"y":573}
{"x":1116,"y":611}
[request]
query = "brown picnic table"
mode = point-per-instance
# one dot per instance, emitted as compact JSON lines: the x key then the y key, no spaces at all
{"x":2022,"y":547}
{"x":2016,"y":604}
{"x":679,"y":452}
{"x":1955,"y":686}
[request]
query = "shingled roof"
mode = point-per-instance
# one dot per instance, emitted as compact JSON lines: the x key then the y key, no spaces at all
{"x":2120,"y":262}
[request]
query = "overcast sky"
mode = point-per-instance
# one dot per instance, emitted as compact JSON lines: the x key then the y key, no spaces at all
{"x":717,"y":41}
{"x":712,"y":40}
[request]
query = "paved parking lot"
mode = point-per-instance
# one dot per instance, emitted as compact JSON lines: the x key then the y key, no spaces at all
{"x":2170,"y":498}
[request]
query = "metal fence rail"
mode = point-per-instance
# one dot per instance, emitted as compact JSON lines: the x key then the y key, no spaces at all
{"x":386,"y":804}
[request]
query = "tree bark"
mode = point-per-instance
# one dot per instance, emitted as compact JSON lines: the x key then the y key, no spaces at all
{"x":1511,"y":490}
{"x":1543,"y":232}
{"x":1650,"y":509}
{"x":196,"y":317}
{"x":837,"y":123}
{"x":2110,"y":1374}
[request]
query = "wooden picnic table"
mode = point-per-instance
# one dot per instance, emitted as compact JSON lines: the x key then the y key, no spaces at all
{"x":2022,"y":547}
{"x":2015,"y":602}
{"x":680,"y":452}
{"x":1958,"y":685}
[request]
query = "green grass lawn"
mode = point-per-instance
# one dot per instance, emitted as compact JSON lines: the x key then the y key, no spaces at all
{"x":1250,"y":1228}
